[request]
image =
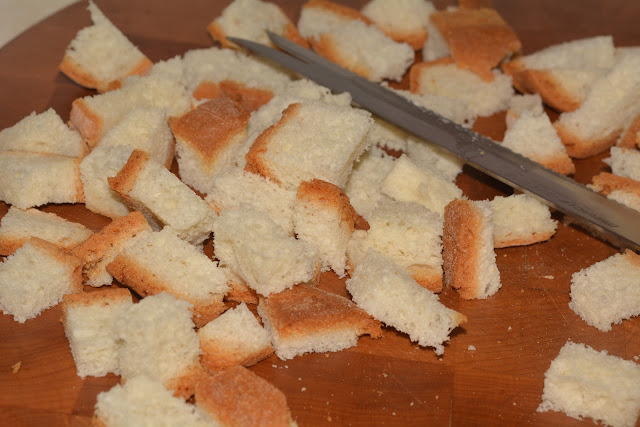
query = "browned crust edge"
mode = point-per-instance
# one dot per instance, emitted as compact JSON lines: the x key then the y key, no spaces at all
{"x":86,"y":121}
{"x":581,"y":149}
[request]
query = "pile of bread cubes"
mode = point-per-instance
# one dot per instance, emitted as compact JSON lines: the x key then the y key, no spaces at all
{"x":290,"y":180}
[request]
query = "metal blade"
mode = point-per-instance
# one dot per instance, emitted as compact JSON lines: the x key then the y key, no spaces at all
{"x":611,"y":220}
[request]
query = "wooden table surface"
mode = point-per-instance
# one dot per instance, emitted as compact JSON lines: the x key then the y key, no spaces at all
{"x":391,"y":381}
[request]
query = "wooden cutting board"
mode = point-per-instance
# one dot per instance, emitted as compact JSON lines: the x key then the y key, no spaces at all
{"x":389,"y":381}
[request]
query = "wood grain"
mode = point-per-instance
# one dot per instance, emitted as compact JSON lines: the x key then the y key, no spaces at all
{"x":389,"y":381}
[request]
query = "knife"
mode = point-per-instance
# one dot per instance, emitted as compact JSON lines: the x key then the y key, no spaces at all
{"x":605,"y":218}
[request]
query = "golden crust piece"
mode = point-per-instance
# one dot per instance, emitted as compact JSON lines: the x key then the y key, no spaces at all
{"x":630,"y":137}
{"x":477,"y":38}
{"x":606,"y":182}
{"x":250,"y":98}
{"x":426,"y":276}
{"x":415,"y":71}
{"x":240,"y":292}
{"x":307,"y":310}
{"x":580,"y":148}
{"x":328,"y":47}
{"x":325,"y":194}
{"x":211,"y":127}
{"x":237,"y":396}
{"x":216,"y":358}
{"x":146,"y":282}
{"x":73,"y":263}
{"x":184,"y":386}
{"x":463,"y":226}
{"x":83,"y":77}
{"x":86,"y":121}
{"x":542,"y":82}
{"x":255,"y":155}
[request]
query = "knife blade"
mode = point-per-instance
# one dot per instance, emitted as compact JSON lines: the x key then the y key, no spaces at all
{"x":603,"y":217}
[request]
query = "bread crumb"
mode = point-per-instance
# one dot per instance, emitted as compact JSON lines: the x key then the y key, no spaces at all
{"x":393,"y":413}
{"x":299,"y":378}
{"x":329,"y":418}
{"x":437,"y":397}
{"x":471,"y":348}
{"x":303,"y":389}
{"x":16,"y":367}
{"x":636,"y":357}
{"x":274,"y":366}
{"x":514,"y":403}
{"x":548,"y":277}
{"x":411,"y":404}
{"x":384,"y":374}
{"x":509,"y":328}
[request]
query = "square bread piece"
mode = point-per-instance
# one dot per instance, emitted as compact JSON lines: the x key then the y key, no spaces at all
{"x":250,"y":20}
{"x":307,"y":319}
{"x":17,"y":226}
{"x":443,"y":77}
{"x":43,"y":133}
{"x":402,"y":20}
{"x":607,"y":292}
{"x":365,"y":182}
{"x":145,"y":129}
{"x":234,"y":186}
{"x":407,"y":182}
{"x":234,"y":338}
{"x":100,"y":55}
{"x":208,"y":140}
{"x":387,"y":292}
{"x":409,"y":234}
{"x":143,"y":401}
{"x":93,"y":116}
{"x":324,"y":217}
{"x":162,"y":262}
{"x":478,"y":39}
{"x":469,"y":259}
{"x":34,"y":179}
{"x":261,"y":252}
{"x":36,"y":277}
{"x":609,"y":105}
{"x":213,"y":72}
{"x":519,"y":220}
{"x":534,"y":137}
{"x":621,"y":189}
{"x":88,"y":319}
{"x":148,"y":186}
{"x":102,"y":247}
{"x":583,"y":382}
{"x":237,"y":396}
{"x":158,"y":339}
{"x":563,"y":73}
{"x":312,"y":140}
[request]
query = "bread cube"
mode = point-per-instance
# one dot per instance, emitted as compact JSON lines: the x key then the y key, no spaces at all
{"x":36,"y":277}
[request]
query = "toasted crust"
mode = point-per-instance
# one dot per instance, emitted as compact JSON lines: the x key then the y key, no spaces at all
{"x":477,"y":38}
{"x":305,"y":310}
{"x":145,"y":282}
{"x":83,"y":77}
{"x":211,"y":127}
{"x":463,"y":225}
{"x":631,"y":135}
{"x":561,"y":164}
{"x":255,"y":156}
{"x":237,"y":396}
{"x":427,"y":277}
{"x":326,"y":46}
{"x":240,"y":292}
{"x":86,"y":121}
{"x":250,"y":98}
{"x":606,"y":182}
{"x":185,"y":385}
{"x":579,"y":148}
{"x":416,"y":71}
{"x":215,"y":358}
{"x":73,"y":263}
{"x":111,"y":236}
{"x":415,"y":39}
{"x":124,"y":181}
{"x":535,"y":238}
{"x":543,"y":83}
{"x":325,"y":194}
{"x":100,"y":297}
